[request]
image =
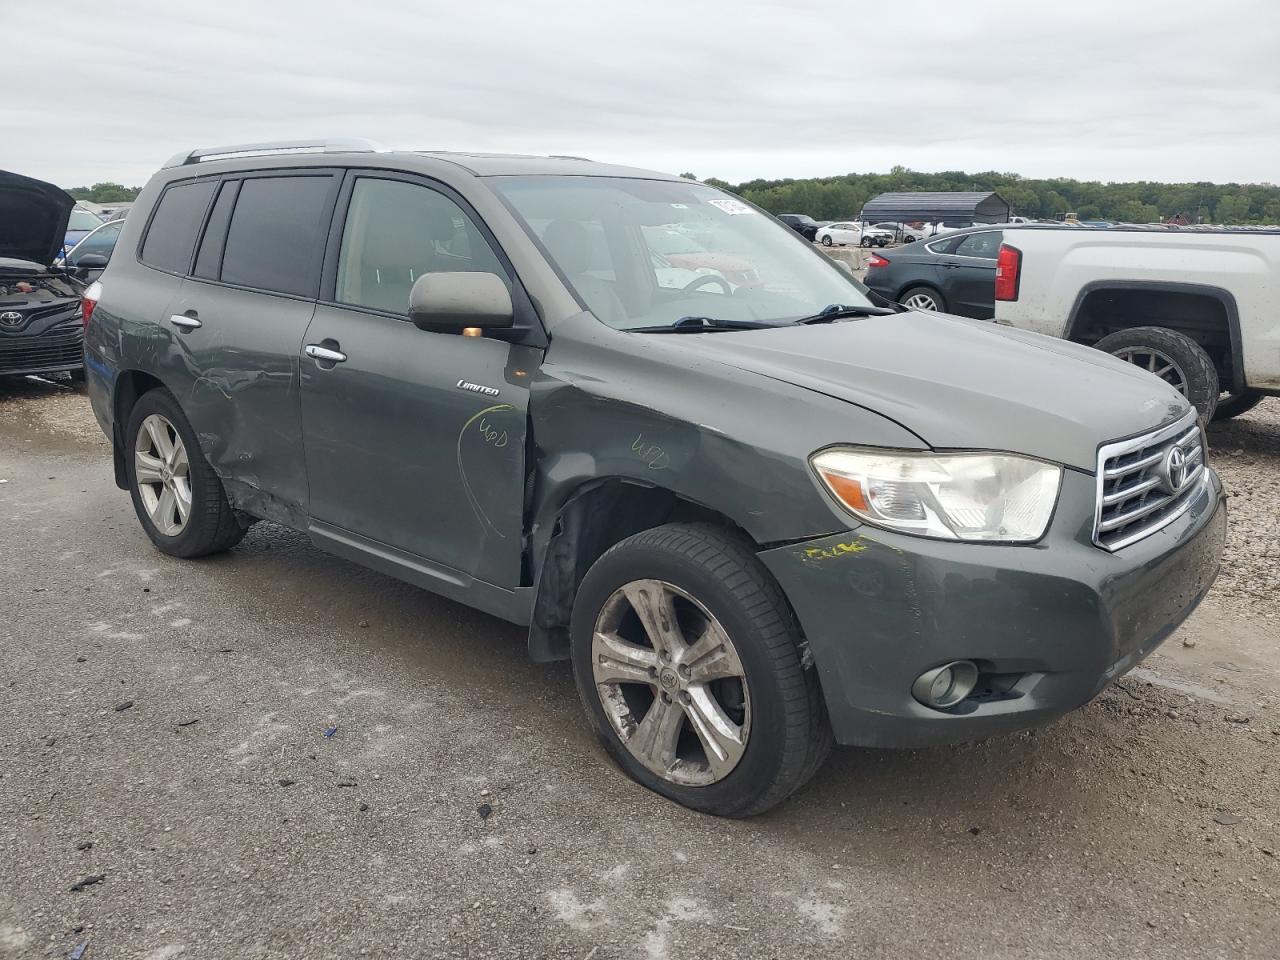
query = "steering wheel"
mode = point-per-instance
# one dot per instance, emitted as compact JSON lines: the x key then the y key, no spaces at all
{"x":706,"y":278}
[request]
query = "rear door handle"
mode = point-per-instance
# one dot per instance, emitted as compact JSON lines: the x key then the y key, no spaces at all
{"x":317,"y":352}
{"x":185,"y":322}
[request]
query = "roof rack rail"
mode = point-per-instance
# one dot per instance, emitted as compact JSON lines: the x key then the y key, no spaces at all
{"x":332,"y":145}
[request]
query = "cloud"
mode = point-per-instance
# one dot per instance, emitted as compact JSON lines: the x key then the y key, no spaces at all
{"x":1093,"y":90}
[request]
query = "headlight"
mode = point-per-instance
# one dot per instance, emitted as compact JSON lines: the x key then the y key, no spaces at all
{"x":995,"y":497}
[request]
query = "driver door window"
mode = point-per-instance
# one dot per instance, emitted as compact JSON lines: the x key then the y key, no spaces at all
{"x":397,"y":231}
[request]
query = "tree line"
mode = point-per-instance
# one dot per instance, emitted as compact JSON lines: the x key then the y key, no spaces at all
{"x":842,"y":197}
{"x":105,"y":193}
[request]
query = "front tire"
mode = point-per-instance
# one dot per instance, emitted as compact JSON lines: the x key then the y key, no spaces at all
{"x":866,"y":242}
{"x":1235,"y":405}
{"x":179,"y":500}
{"x":687,"y":658}
{"x":1173,"y":357}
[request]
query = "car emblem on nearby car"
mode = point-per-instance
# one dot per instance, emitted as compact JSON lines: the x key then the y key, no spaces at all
{"x":10,"y":318}
{"x":1174,"y":470}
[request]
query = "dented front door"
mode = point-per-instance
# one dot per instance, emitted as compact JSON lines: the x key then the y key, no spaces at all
{"x":416,"y":440}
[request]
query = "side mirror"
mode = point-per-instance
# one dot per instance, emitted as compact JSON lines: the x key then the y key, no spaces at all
{"x":92,"y":261}
{"x":454,"y":302}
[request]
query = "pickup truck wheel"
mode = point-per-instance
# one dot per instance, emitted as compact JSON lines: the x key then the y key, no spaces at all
{"x":687,"y":658}
{"x":923,"y":298}
{"x":1233,"y":406}
{"x":1173,"y":357}
{"x":179,"y":500}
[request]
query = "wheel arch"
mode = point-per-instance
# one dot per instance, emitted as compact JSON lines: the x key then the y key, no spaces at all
{"x":592,"y":518}
{"x":129,"y":387}
{"x":1208,"y":314}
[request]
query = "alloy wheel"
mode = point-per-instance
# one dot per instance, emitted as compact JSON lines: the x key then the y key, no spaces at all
{"x":1157,"y":362}
{"x":671,"y":683}
{"x":163,"y":473}
{"x":920,"y":301}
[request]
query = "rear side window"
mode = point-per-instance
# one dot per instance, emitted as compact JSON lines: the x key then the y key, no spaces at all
{"x":984,"y":246}
{"x":209,"y":258}
{"x":171,"y":238}
{"x":277,"y":233}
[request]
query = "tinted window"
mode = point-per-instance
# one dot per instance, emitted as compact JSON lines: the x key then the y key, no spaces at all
{"x":394,"y":233}
{"x":102,"y":241}
{"x":209,"y":259}
{"x":171,"y":238}
{"x":984,"y":245}
{"x":276,"y":237}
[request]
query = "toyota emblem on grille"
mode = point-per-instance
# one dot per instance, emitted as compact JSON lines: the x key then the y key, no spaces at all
{"x":10,"y":318}
{"x":1173,"y":471}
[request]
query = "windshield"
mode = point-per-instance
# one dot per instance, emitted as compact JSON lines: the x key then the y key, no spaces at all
{"x":82,"y":219}
{"x":647,"y":253}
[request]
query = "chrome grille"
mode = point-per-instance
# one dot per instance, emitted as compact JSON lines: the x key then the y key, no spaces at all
{"x":1148,"y":482}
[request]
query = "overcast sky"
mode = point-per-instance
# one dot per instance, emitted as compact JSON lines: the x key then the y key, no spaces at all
{"x":1122,"y":90}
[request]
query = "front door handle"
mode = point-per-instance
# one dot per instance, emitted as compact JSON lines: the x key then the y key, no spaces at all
{"x":185,"y":322}
{"x":317,"y":352}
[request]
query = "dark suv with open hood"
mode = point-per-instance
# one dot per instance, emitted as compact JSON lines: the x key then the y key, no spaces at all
{"x":40,"y":314}
{"x":756,"y":517}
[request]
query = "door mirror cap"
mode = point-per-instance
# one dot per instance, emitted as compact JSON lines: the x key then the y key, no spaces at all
{"x":93,"y":261}
{"x":452,"y":302}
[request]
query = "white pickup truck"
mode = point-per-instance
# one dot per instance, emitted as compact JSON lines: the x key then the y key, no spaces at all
{"x":1198,"y":307}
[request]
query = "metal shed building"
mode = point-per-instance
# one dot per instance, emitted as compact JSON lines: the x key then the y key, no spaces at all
{"x":949,"y":208}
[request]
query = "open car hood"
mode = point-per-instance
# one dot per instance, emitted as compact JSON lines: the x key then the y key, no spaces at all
{"x":33,"y":218}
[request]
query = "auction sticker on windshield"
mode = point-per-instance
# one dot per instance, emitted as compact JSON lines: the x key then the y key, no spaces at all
{"x":729,"y":205}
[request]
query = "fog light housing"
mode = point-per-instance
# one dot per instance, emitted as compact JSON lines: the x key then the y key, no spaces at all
{"x":945,"y":686}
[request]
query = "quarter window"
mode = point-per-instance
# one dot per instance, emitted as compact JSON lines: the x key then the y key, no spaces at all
{"x":171,"y":238}
{"x":397,"y":231}
{"x":276,"y":237}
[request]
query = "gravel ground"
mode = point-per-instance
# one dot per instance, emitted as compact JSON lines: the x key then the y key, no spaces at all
{"x":163,"y":728}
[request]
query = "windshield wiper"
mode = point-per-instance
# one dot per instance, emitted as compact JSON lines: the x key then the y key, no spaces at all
{"x":838,"y":311}
{"x":703,"y":325}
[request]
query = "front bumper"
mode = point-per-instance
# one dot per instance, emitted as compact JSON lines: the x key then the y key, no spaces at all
{"x":1050,"y":624}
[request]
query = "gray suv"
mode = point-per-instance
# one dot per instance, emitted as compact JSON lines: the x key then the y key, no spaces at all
{"x":758,"y":512}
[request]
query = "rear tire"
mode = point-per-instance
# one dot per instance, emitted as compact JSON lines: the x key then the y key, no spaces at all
{"x":826,"y":240}
{"x":1172,"y":356}
{"x":712,"y":585}
{"x":210,"y":525}
{"x":1238,"y":404}
{"x":923,"y":298}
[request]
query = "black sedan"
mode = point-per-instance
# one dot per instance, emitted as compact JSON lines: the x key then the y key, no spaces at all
{"x":951,"y":274}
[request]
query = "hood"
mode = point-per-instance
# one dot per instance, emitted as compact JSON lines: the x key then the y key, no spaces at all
{"x":33,"y":218}
{"x":962,"y":384}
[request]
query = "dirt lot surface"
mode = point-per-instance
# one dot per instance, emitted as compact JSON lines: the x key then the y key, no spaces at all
{"x":277,"y":754}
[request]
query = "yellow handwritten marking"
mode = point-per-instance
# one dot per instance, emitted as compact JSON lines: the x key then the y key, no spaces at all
{"x":653,"y":455}
{"x":833,"y":552}
{"x":462,"y":469}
